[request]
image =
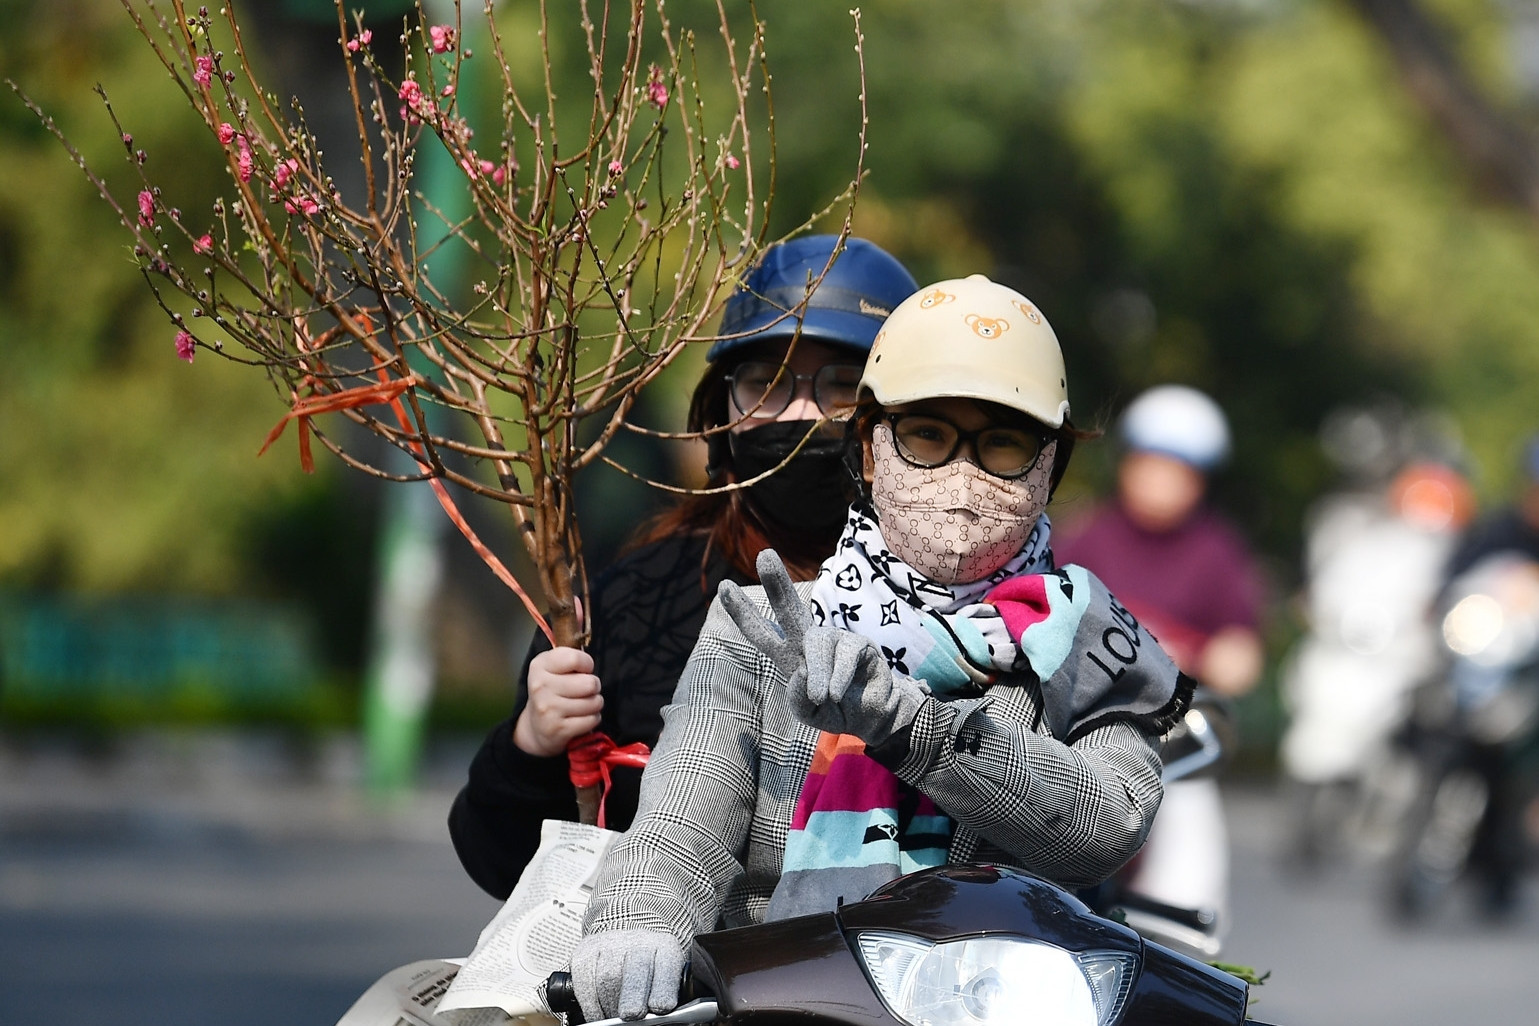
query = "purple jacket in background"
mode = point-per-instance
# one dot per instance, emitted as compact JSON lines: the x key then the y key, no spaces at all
{"x":1185,"y":585}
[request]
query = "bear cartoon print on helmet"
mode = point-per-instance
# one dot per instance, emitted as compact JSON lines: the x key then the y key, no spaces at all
{"x":970,"y":338}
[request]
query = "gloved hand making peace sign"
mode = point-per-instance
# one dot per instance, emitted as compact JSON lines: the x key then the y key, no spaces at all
{"x":837,"y":680}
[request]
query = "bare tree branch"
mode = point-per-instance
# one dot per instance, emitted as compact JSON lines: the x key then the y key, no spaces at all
{"x":1498,"y":152}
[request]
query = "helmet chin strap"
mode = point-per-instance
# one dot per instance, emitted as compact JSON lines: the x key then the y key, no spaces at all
{"x":855,"y":466}
{"x":718,"y":455}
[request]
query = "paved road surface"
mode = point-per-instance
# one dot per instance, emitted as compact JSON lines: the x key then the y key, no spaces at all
{"x":1336,"y":960}
{"x":214,"y":887}
{"x":211,"y":882}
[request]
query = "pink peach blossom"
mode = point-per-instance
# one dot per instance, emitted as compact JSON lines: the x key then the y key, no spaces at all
{"x":657,"y":93}
{"x":416,"y":104}
{"x":443,"y":38}
{"x":226,"y":133}
{"x":203,"y":70}
{"x":186,"y":348}
{"x":203,"y":244}
{"x":245,"y":163}
{"x":146,"y":207}
{"x":733,"y":163}
{"x":363,"y":39}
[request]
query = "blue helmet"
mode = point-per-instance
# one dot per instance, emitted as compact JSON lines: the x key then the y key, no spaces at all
{"x":847,"y":309}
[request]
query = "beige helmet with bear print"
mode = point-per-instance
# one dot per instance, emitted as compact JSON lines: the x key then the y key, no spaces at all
{"x":974,"y":339}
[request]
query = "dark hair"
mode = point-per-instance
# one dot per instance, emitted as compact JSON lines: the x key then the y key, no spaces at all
{"x":734,"y":532}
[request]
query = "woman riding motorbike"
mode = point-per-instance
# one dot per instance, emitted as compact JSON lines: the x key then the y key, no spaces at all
{"x":772,"y":375}
{"x":939,"y":693}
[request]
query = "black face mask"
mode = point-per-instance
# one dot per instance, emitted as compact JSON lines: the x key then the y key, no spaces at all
{"x":809,"y":495}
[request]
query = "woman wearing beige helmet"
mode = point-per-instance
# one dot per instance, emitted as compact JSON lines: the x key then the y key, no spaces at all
{"x":938,"y":693}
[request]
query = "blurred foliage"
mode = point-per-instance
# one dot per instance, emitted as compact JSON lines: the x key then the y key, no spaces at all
{"x":1235,"y":195}
{"x":123,"y":467}
{"x":1231,"y":194}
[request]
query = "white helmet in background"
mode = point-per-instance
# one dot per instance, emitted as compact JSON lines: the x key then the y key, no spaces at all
{"x":1177,"y":421}
{"x":969,"y":338}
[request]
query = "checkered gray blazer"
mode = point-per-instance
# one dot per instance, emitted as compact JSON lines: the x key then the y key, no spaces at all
{"x":706,"y":845}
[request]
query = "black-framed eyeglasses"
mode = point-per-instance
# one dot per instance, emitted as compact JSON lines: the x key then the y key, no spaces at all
{"x":762,"y":388}
{"x":1006,"y":451}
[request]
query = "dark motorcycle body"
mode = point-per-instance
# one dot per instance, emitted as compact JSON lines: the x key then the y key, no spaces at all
{"x":819,"y":969}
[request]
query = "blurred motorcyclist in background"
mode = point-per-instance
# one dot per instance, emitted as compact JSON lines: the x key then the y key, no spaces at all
{"x":1513,"y":528}
{"x":1373,"y":563}
{"x":1503,"y":547}
{"x":1185,"y":571}
{"x":648,"y":608}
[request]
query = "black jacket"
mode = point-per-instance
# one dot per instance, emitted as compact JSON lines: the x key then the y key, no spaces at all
{"x":647,"y":611}
{"x":1503,"y":531}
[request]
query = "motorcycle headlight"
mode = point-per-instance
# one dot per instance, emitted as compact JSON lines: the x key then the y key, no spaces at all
{"x":989,"y":980}
{"x":1473,"y":627}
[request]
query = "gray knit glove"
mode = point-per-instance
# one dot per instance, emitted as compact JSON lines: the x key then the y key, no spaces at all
{"x":782,"y":643}
{"x":627,"y":973}
{"x":848,"y":688}
{"x":837,"y":681}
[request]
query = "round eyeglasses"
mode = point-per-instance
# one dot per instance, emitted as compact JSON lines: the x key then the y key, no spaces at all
{"x":924,"y":440}
{"x":760,"y":388}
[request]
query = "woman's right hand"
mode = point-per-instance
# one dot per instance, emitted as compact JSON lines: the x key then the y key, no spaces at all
{"x":627,"y":973}
{"x":564,"y":702}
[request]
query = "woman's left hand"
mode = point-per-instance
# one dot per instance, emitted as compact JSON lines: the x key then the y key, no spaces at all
{"x":847,"y":687}
{"x":837,"y":681}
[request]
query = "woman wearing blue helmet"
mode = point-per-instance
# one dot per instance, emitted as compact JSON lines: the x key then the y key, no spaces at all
{"x":779,"y":366}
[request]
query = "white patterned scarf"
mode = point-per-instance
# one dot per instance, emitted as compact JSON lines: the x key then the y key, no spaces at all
{"x":943,"y":634}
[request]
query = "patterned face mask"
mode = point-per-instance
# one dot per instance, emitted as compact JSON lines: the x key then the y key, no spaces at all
{"x":954,"y":523}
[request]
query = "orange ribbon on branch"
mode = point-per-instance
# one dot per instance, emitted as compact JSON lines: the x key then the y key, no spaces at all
{"x":388,"y":391}
{"x":591,"y":757}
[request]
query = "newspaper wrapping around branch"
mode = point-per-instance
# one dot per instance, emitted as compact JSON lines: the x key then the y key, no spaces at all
{"x":536,"y":929}
{"x":531,"y":936}
{"x":409,"y":996}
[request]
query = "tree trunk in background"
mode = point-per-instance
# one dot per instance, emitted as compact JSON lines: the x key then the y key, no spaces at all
{"x":402,"y":664}
{"x":1497,"y":151}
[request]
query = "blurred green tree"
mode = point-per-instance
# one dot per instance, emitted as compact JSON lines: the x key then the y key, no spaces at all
{"x":124,"y":468}
{"x":1237,"y":195}
{"x":1240,"y":196}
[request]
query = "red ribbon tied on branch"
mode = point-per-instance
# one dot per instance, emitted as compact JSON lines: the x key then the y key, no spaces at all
{"x":387,"y":390}
{"x":594,"y":756}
